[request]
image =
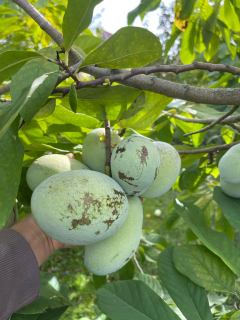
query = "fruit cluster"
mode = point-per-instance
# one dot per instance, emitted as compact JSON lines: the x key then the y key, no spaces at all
{"x":80,"y":205}
{"x":229,"y":169}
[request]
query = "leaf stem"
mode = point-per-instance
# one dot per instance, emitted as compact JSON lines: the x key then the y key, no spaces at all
{"x":108,"y":147}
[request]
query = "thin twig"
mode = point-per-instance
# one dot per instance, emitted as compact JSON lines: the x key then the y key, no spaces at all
{"x":108,"y":147}
{"x":69,"y":71}
{"x":137,"y":264}
{"x":217,"y":121}
{"x":228,"y":120}
{"x":235,"y":126}
{"x":209,"y":149}
{"x":121,"y":134}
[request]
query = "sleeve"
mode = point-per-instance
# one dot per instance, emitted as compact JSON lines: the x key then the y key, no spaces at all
{"x":19,"y":273}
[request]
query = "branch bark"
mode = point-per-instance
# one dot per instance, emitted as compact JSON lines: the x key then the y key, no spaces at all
{"x":108,"y":147}
{"x":4,"y":89}
{"x":209,"y":149}
{"x":217,"y":121}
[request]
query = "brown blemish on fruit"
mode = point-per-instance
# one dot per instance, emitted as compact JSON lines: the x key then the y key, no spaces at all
{"x":119,"y":150}
{"x":97,"y":232}
{"x":127,"y":259}
{"x":156,"y":173}
{"x":119,"y":193}
{"x":70,"y":207}
{"x":143,"y":154}
{"x":123,"y":177}
{"x":50,"y":187}
{"x":81,"y":222}
{"x":109,"y":222}
{"x":132,"y":251}
{"x":114,"y":211}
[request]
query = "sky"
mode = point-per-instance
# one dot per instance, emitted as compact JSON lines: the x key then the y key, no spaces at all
{"x":114,"y":16}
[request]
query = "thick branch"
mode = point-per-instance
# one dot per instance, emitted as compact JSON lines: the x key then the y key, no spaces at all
{"x":209,"y":149}
{"x":4,"y":89}
{"x":108,"y":147}
{"x":228,"y":120}
{"x":217,"y":121}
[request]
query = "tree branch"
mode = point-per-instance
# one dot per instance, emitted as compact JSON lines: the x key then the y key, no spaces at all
{"x":108,"y":148}
{"x":209,"y":149}
{"x":217,"y":121}
{"x":5,"y":100}
{"x":4,"y":89}
{"x":228,"y":120}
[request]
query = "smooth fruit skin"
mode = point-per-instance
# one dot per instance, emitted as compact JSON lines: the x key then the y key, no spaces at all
{"x":229,"y":165}
{"x":168,"y":172}
{"x":231,"y":189}
{"x":79,"y":207}
{"x":113,"y":253}
{"x":46,"y":166}
{"x":94,"y":149}
{"x":134,"y":164}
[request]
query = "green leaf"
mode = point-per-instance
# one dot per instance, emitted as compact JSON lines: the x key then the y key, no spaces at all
{"x":190,"y":298}
{"x":187,"y":9}
{"x":99,"y":281}
{"x":77,"y":18}
{"x":46,"y":110}
{"x":153,"y":284}
{"x":81,"y":53}
{"x":141,"y":10}
{"x":236,"y":316}
{"x":204,"y":268}
{"x":88,"y":43}
{"x":105,"y":103}
{"x":16,"y":316}
{"x":170,"y":42}
{"x":222,"y":225}
{"x":8,"y":112}
{"x":26,"y":76}
{"x":52,"y":314}
{"x":11,"y":157}
{"x":144,"y":111}
{"x":62,"y":115}
{"x":6,"y":10}
{"x":229,"y":206}
{"x":229,"y":16}
{"x":129,"y":47}
{"x":212,"y":47}
{"x":73,"y":98}
{"x":133,"y":300}
{"x":215,"y":241}
{"x":127,"y":271}
{"x":12,"y":61}
{"x":187,"y":53}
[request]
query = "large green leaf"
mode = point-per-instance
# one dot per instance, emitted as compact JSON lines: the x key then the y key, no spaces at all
{"x":105,"y":103}
{"x":144,"y":111}
{"x":152,"y":283}
{"x":52,"y":314}
{"x":12,"y":61}
{"x":6,"y":10}
{"x":186,"y":9}
{"x":190,"y":298}
{"x":62,"y":115}
{"x":17,"y":316}
{"x":25,"y":77}
{"x":129,"y":47}
{"x":217,"y":242}
{"x":8,"y":112}
{"x":141,"y":10}
{"x":187,"y":53}
{"x":132,"y":299}
{"x":204,"y":268}
{"x":229,"y":206}
{"x":11,"y":157}
{"x":236,"y":316}
{"x":229,"y":16}
{"x":87,"y":42}
{"x":77,"y":18}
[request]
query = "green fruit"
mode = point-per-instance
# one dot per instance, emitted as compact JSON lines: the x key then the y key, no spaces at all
{"x":168,"y":171}
{"x":46,"y":166}
{"x":114,"y":252}
{"x":79,"y":207}
{"x":229,"y":165}
{"x":135,"y":163}
{"x":94,"y":149}
{"x":231,"y":189}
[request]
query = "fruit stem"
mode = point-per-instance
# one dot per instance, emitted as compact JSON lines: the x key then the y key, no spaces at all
{"x":108,"y":147}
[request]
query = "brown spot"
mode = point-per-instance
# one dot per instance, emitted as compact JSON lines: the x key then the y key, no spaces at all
{"x":143,"y":154}
{"x":132,"y":251}
{"x":127,"y":259}
{"x":109,"y":222}
{"x":81,"y":222}
{"x":97,"y":232}
{"x":123,"y":177}
{"x":119,"y":150}
{"x":50,"y":187}
{"x":156,"y":173}
{"x":70,"y":207}
{"x":119,"y":192}
{"x":114,"y":211}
